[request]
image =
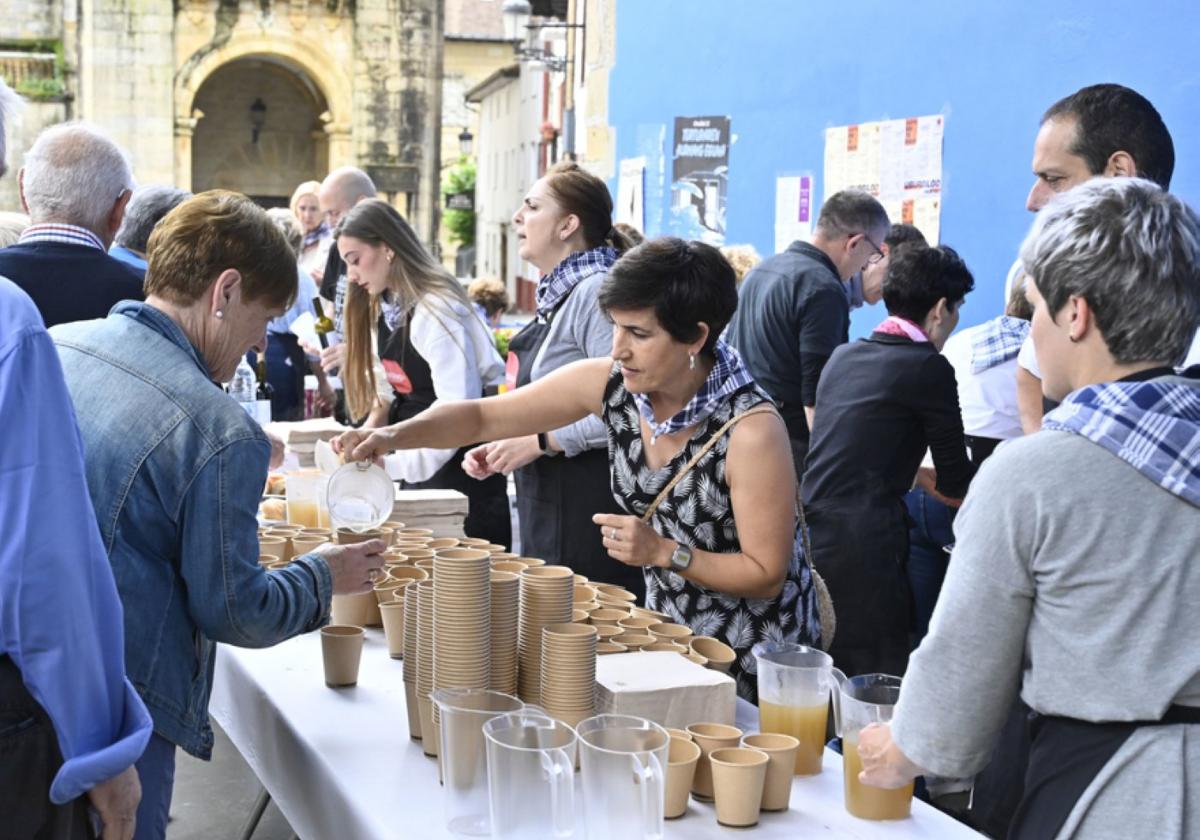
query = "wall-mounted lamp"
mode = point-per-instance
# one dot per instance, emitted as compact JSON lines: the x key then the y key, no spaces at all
{"x":466,"y":142}
{"x":523,"y":35}
{"x":258,"y":118}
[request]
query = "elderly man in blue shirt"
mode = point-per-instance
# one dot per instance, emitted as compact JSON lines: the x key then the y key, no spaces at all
{"x":70,"y":722}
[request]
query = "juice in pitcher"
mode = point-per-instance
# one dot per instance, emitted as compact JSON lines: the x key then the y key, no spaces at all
{"x":867,"y":802}
{"x":805,"y":723}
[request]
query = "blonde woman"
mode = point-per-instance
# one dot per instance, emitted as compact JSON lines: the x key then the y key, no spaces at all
{"x":316,"y":236}
{"x":405,"y":310}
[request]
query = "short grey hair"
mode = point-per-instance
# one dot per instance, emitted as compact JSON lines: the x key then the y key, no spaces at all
{"x":145,"y":209}
{"x":74,"y":174}
{"x":850,"y":212}
{"x":286,"y":222}
{"x":1132,"y":251}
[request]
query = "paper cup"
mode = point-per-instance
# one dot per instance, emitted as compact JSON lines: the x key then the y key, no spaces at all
{"x":681,"y":769}
{"x":781,"y":750}
{"x":710,"y":737}
{"x":341,"y":650}
{"x":739,"y":775}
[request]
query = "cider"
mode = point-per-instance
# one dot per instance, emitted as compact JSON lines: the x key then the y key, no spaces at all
{"x":867,"y":802}
{"x":307,"y":514}
{"x":804,"y":723}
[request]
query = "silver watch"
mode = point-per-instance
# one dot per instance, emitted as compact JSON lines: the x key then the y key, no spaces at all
{"x":681,"y":558}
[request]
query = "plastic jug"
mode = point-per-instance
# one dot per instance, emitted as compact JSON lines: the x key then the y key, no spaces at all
{"x":863,"y":700}
{"x":361,"y":496}
{"x":623,"y":761}
{"x":463,"y":754}
{"x":531,"y":775}
{"x":794,"y":684}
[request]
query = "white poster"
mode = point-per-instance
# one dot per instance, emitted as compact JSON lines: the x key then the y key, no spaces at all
{"x":897,"y":161}
{"x":631,"y":193}
{"x":793,"y":209}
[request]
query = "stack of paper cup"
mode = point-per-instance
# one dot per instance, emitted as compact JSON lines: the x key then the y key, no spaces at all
{"x":506,"y":599}
{"x":569,"y":671}
{"x":546,"y":597}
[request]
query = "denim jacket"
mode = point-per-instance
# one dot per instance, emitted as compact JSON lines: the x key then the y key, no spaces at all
{"x":175,"y":469}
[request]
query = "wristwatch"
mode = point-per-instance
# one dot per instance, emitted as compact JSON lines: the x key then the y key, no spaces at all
{"x":543,"y":443}
{"x":681,"y":558}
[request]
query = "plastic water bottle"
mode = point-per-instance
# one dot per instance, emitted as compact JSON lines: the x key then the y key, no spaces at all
{"x":242,"y":387}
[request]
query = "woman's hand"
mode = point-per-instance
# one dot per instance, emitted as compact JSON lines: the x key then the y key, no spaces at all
{"x":633,"y":542}
{"x":475,"y":462}
{"x":505,"y":456}
{"x":363,"y":444}
{"x":884,"y":766}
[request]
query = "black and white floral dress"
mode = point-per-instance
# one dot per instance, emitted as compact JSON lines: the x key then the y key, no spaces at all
{"x":698,"y":513}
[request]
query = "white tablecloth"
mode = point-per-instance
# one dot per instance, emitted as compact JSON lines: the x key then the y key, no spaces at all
{"x":339,"y":763}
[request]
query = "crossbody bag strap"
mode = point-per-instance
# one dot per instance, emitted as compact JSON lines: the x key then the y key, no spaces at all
{"x":709,"y":444}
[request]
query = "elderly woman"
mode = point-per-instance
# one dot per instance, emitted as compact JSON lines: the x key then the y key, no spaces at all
{"x":718,"y":547}
{"x":316,"y":235}
{"x":175,"y":469}
{"x":1078,"y":586}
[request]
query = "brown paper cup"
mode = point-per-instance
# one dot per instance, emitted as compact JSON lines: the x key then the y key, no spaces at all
{"x":781,"y":750}
{"x":352,"y":610}
{"x":393,"y":627}
{"x":341,"y":650}
{"x":414,"y":712}
{"x":739,"y":775}
{"x":681,"y":769}
{"x":679,"y":733}
{"x":720,"y":656}
{"x":709,"y":737}
{"x":273,"y":546}
{"x":347,"y":537}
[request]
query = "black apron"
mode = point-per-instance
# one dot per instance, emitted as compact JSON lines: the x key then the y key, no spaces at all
{"x":557,"y":496}
{"x":412,"y":389}
{"x":1065,"y":758}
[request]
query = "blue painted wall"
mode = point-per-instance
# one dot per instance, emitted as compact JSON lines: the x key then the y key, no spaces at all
{"x":784,"y":70}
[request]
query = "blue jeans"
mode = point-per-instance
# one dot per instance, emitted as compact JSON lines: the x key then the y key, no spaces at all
{"x":927,"y":560}
{"x":156,"y":771}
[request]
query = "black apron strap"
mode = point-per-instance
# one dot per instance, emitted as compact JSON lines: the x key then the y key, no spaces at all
{"x":1065,"y":759}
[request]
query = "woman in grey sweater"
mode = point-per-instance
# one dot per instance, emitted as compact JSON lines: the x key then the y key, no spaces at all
{"x":1074,"y":578}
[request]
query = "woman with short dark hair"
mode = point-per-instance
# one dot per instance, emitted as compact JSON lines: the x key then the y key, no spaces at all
{"x":715,"y":539}
{"x":882,"y":402}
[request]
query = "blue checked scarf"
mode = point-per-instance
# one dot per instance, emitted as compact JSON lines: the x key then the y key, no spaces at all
{"x":727,"y":375}
{"x":997,"y":341}
{"x":1154,"y":426}
{"x":315,"y":235}
{"x":554,"y":287}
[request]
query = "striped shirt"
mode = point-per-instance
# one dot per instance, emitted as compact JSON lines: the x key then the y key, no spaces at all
{"x":69,"y":234}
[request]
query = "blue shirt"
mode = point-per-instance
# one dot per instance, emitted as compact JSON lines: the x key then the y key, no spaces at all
{"x":60,"y":617}
{"x":120,"y":252}
{"x":176,"y":469}
{"x":306,"y":290}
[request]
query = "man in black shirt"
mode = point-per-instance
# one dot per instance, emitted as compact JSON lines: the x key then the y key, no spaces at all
{"x":792,"y":308}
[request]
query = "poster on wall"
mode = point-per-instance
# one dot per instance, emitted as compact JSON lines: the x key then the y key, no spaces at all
{"x":631,"y":193}
{"x":700,"y":177}
{"x":793,"y":209}
{"x":897,"y":161}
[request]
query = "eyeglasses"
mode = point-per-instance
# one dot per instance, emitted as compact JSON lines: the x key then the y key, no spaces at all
{"x":877,"y":256}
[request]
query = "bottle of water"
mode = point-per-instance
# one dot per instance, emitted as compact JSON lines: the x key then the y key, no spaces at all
{"x":243,"y":385}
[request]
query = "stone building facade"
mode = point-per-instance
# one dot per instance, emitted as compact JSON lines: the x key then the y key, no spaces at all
{"x":253,"y":95}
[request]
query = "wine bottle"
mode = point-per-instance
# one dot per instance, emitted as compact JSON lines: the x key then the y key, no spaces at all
{"x":324,"y":324}
{"x":263,"y":393}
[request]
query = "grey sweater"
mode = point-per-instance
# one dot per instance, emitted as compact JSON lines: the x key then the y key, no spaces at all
{"x":579,"y":331}
{"x":1076,"y":581}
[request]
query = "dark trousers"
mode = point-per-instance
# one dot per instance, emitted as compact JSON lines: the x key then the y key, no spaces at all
{"x":932,"y":529}
{"x":860,"y":547}
{"x":29,"y":760}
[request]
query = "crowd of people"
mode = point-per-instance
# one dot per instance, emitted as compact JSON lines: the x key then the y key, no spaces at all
{"x":693,"y":425}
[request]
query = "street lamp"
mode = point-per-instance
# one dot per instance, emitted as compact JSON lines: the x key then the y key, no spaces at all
{"x":516,"y":19}
{"x":466,"y":142}
{"x":522,"y":33}
{"x":258,"y":118}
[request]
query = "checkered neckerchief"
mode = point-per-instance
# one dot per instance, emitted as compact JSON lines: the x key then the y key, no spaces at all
{"x":997,"y":341}
{"x":1154,"y":426}
{"x":554,"y":287}
{"x":727,"y":375}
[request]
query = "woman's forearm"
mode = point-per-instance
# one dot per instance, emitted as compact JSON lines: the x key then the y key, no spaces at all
{"x":444,"y":426}
{"x":740,"y":574}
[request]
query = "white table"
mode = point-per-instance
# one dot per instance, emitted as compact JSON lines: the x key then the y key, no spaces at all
{"x":339,"y":763}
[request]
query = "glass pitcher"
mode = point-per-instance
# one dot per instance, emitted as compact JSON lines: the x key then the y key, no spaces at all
{"x":361,"y":496}
{"x":860,"y":701}
{"x":623,"y":762}
{"x":794,"y":685}
{"x":531,"y":775}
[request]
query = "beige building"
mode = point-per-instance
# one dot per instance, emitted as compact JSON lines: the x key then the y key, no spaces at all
{"x":252,"y":95}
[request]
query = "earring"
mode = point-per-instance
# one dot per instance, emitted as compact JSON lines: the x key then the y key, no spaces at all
{"x":390,"y":257}
{"x":691,"y":361}
{"x":220,"y":313}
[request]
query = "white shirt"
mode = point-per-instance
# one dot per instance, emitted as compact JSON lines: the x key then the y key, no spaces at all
{"x":1193,"y":356}
{"x":987,"y":400}
{"x":1027,"y":358}
{"x":462,"y":358}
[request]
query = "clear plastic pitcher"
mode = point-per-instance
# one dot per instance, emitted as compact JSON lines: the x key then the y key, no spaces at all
{"x":307,"y":503}
{"x":863,"y":700}
{"x":463,"y":754}
{"x":531,"y":775}
{"x":361,"y":496}
{"x":794,"y":684}
{"x":623,"y":760}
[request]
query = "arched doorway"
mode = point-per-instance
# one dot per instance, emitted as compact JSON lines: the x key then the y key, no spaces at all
{"x":261,"y":131}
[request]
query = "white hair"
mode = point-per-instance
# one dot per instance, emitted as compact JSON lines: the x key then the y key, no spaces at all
{"x":74,"y":174}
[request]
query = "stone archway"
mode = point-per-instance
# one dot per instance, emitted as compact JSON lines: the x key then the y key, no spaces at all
{"x":290,"y":147}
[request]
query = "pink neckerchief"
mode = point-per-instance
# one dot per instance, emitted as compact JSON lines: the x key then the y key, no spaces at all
{"x":895,"y":325}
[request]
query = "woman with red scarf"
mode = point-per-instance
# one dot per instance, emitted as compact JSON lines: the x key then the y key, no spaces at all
{"x":882,"y":401}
